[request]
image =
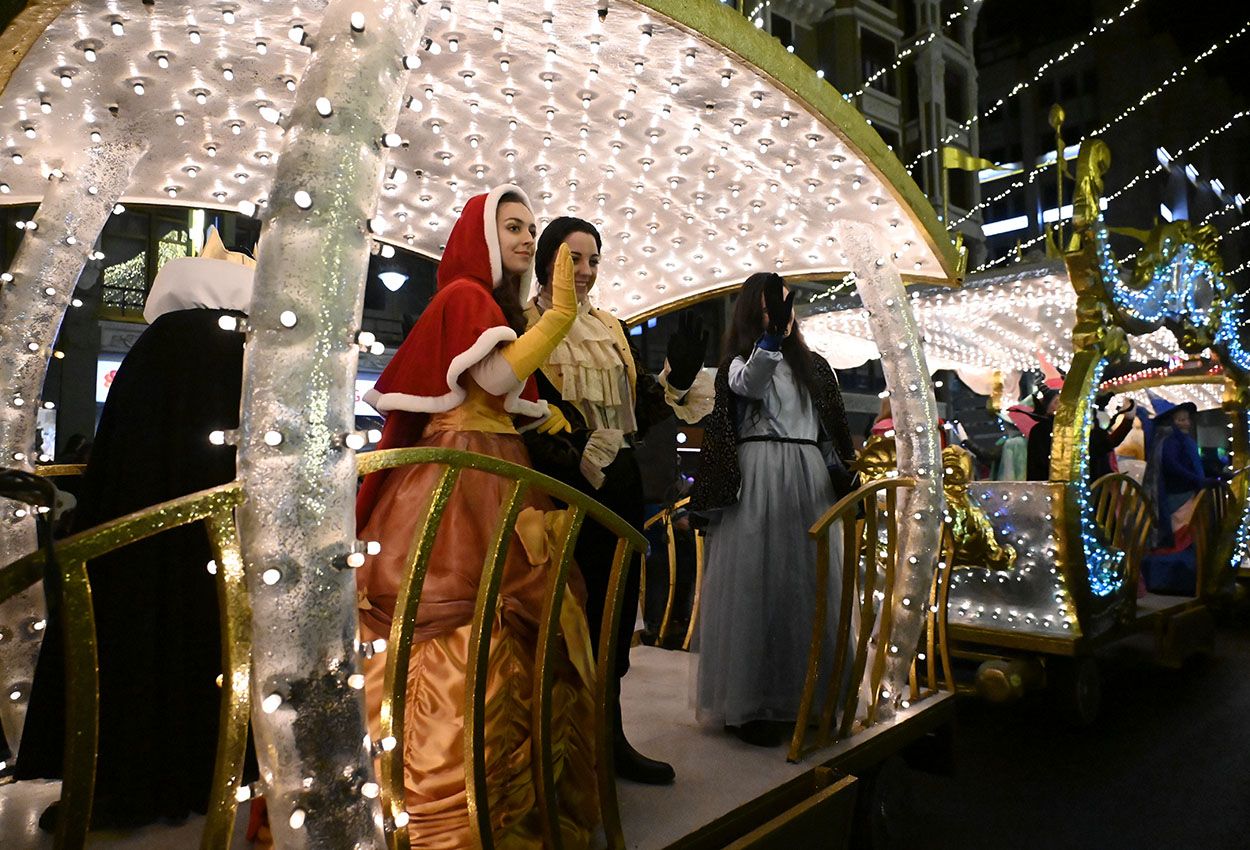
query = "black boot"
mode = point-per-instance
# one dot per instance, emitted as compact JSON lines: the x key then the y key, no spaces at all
{"x":761,"y":733}
{"x":633,"y":765}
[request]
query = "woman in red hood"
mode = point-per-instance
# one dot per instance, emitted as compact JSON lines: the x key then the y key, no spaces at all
{"x":460,"y":381}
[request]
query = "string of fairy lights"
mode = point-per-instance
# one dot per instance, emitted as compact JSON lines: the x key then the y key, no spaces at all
{"x":1176,"y":75}
{"x":1129,"y":110}
{"x":1149,"y":95}
{"x":912,"y":49}
{"x":1098,"y":28}
{"x":1210,"y":135}
{"x":1239,"y":226}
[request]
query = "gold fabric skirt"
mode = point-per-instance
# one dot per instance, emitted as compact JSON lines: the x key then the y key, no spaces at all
{"x":434,"y":765}
{"x":434,"y":758}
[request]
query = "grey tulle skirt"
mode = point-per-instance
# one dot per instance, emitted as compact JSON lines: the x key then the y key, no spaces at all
{"x":759,"y":591}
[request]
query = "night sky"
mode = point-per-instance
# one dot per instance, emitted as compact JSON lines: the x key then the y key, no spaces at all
{"x":1195,"y":24}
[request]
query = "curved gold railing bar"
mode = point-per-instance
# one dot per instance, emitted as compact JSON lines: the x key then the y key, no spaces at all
{"x":1122,"y":512}
{"x":60,"y":470}
{"x":666,"y":517}
{"x":580,"y":507}
{"x":544,"y":675}
{"x":700,"y":563}
{"x":865,"y":515}
{"x":215,"y":508}
{"x":399,"y":643}
{"x":1215,"y":520}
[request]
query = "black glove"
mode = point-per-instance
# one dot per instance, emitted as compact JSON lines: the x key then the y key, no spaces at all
{"x":686,"y":350}
{"x":780,"y":310}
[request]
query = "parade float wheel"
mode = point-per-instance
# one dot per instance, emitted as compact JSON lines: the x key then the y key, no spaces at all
{"x":1075,"y":685}
{"x":883,"y":806}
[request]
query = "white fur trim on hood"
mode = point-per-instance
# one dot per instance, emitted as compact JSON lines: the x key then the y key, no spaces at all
{"x":494,"y":251}
{"x":490,"y":339}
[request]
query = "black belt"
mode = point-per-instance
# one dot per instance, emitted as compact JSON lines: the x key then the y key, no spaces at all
{"x":768,"y":439}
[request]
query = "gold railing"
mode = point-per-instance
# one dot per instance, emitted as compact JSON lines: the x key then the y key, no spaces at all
{"x":400,"y":641}
{"x":215,"y":509}
{"x":665,"y":516}
{"x":1122,"y":512}
{"x":869,"y":521}
{"x":60,"y":470}
{"x":1210,"y":520}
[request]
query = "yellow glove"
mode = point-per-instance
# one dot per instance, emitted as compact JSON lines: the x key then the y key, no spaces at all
{"x":530,"y":350}
{"x":555,"y":423}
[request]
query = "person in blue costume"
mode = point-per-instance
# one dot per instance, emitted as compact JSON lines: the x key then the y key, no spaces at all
{"x":1174,"y":480}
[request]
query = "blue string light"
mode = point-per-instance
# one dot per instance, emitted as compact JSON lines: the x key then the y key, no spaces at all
{"x":1102,"y":562}
{"x":1180,"y":293}
{"x":1241,"y":537}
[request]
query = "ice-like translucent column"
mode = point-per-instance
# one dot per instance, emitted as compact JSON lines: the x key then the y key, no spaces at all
{"x":34,"y":295}
{"x":295,"y":461}
{"x":914,"y":410}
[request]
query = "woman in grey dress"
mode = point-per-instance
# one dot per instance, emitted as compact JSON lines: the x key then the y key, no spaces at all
{"x":775,"y":457}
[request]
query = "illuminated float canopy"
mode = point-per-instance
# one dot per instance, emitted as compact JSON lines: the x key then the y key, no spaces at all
{"x":704,"y":149}
{"x":1001,"y":323}
{"x":697,"y":168}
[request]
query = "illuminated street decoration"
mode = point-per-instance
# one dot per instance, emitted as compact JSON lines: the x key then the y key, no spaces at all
{"x":998,"y":323}
{"x":1177,"y":283}
{"x":697,"y":168}
{"x":701,"y":148}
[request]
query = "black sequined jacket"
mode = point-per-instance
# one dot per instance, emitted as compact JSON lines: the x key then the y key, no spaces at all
{"x":717,"y":483}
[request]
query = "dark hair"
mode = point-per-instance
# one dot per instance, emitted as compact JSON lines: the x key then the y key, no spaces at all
{"x":1042,"y":397}
{"x":552,"y":237}
{"x":507,"y":294}
{"x":748,"y":324}
{"x":509,"y":301}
